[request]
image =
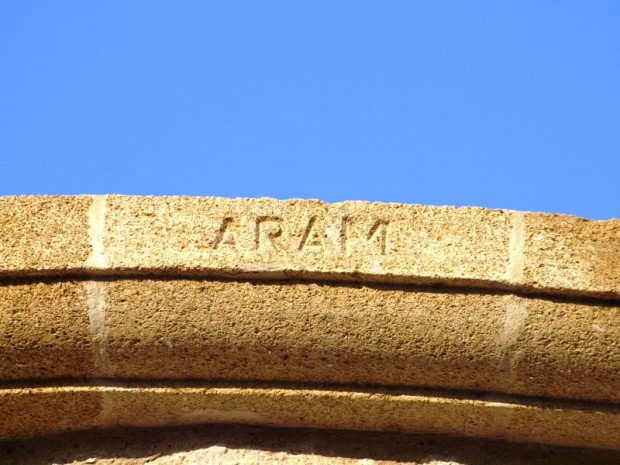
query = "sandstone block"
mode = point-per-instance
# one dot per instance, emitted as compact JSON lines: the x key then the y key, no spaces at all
{"x":310,"y":332}
{"x":30,"y":411}
{"x":45,"y":331}
{"x":44,"y":235}
{"x":534,"y":421}
{"x":143,"y":311}
{"x":267,"y":239}
{"x":564,"y":251}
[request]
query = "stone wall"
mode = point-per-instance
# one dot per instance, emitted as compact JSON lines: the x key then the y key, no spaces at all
{"x":120,"y":311}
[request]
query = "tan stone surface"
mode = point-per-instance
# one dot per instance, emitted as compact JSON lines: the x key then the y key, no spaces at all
{"x":568,"y":250}
{"x":250,"y":445}
{"x":266,"y":238}
{"x":143,"y":311}
{"x":363,"y":335}
{"x":44,"y":331}
{"x":44,"y":235}
{"x":270,"y":238}
{"x":141,"y":404}
{"x":30,"y":411}
{"x":310,"y":332}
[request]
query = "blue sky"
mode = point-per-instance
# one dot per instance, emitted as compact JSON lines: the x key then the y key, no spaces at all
{"x":498,"y":104}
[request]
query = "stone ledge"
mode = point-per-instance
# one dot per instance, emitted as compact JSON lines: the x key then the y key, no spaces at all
{"x":266,"y":238}
{"x":310,"y":332}
{"x":58,"y":408}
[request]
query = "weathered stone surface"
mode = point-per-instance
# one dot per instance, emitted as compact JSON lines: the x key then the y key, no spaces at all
{"x":560,"y":251}
{"x":44,"y":235}
{"x":142,"y":311}
{"x":30,"y":411}
{"x":251,"y":445}
{"x":363,"y":335}
{"x":45,"y":331}
{"x":266,"y":238}
{"x":529,"y":420}
{"x":307,"y":332}
{"x":270,"y":238}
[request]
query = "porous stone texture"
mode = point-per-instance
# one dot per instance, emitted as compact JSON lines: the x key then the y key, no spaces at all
{"x":146,"y":311}
{"x":267,"y":238}
{"x":44,"y":235}
{"x":45,"y":331}
{"x":561,"y":250}
{"x":296,"y":331}
{"x":65,"y":408}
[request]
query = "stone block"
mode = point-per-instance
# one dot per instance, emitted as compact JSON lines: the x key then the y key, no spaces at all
{"x":145,"y":311}
{"x":306,"y":239}
{"x":44,"y":235}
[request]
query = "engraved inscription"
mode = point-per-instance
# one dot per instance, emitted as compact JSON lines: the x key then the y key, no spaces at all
{"x":268,"y":229}
{"x":273,"y":233}
{"x":312,"y":236}
{"x":378,"y":234}
{"x":344,"y":234}
{"x":224,"y":235}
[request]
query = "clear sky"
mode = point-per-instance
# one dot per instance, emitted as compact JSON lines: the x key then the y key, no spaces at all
{"x":498,"y":104}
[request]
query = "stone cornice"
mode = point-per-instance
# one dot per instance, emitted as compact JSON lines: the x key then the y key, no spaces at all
{"x":144,"y":311}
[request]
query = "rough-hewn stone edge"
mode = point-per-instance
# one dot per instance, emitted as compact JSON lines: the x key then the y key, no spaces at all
{"x":540,"y":253}
{"x":244,"y":445}
{"x":33,"y":411}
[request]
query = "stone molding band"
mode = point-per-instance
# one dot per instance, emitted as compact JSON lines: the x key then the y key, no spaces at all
{"x":310,"y":332}
{"x":308,"y":239}
{"x":143,"y":404}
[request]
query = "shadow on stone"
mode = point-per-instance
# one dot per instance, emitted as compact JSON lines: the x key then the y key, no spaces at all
{"x":227,"y":444}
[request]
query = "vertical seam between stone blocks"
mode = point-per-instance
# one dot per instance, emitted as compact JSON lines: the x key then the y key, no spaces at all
{"x":514,"y":322}
{"x":106,"y":415}
{"x":96,"y":296}
{"x":516,"y":249}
